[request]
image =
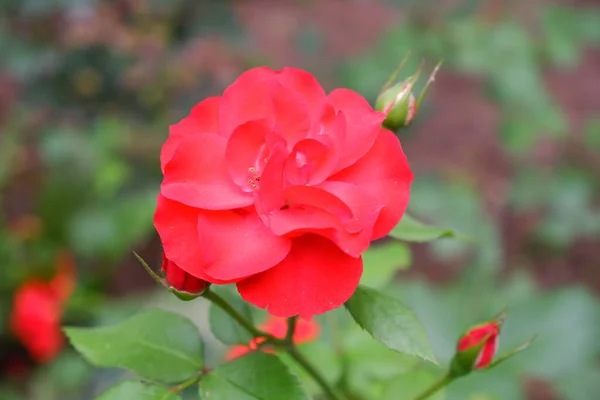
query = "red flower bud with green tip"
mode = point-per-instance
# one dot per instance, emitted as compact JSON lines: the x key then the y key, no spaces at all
{"x":477,"y":347}
{"x":182,"y":284}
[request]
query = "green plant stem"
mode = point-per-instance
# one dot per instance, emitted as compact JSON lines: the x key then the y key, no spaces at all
{"x":239,"y":318}
{"x":435,"y":387}
{"x":190,"y":382}
{"x":316,"y":375}
{"x":279,"y":343}
{"x":291,"y":328}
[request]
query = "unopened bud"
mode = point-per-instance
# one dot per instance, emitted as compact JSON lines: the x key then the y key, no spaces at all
{"x":398,"y":102}
{"x":477,"y":347}
{"x":181,"y":283}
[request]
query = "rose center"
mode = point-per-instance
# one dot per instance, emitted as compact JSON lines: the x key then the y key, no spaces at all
{"x":253,"y":178}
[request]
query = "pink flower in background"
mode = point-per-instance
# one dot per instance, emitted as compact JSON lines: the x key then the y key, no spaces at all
{"x":279,"y":188}
{"x":306,"y":331}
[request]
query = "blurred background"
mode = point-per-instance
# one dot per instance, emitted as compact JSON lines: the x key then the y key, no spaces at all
{"x":506,"y":148}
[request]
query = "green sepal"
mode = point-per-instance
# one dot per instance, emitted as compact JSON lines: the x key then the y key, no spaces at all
{"x":511,"y":353}
{"x":150,"y":272}
{"x":463,"y":361}
{"x":185,"y":296}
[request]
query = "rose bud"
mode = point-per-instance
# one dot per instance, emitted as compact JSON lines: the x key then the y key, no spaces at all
{"x":398,"y":102}
{"x":182,"y":284}
{"x":477,"y":347}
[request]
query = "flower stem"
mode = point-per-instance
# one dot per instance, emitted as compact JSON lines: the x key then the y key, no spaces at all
{"x":291,"y":328}
{"x":239,"y":318}
{"x":316,"y":375}
{"x":285,"y":345}
{"x":444,"y":381}
{"x":190,"y":382}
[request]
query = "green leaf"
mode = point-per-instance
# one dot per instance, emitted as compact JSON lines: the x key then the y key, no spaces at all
{"x":411,"y":230}
{"x":370,"y":364}
{"x":132,"y":390}
{"x":323,"y":357}
{"x":390,"y":322}
{"x":382,"y":262}
{"x":225,"y":328}
{"x":408,"y":386}
{"x":255,"y":376}
{"x":155,"y":344}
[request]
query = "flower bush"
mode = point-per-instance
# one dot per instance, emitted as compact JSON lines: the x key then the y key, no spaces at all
{"x":279,"y":189}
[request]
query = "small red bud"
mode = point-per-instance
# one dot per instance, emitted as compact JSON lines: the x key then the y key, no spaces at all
{"x":477,"y":347}
{"x":181,"y":283}
{"x":486,"y":334}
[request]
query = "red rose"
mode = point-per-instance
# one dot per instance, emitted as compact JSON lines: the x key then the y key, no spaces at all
{"x":37,"y":311}
{"x":485,"y":337}
{"x":180,"y":280}
{"x":306,"y":331}
{"x":280,"y":188}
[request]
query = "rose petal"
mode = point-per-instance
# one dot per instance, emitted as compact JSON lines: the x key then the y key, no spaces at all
{"x":270,"y":195}
{"x":353,"y":235}
{"x":383,"y":173}
{"x":362,"y":125}
{"x":314,"y":278}
{"x":299,"y":102}
{"x":177,"y":226}
{"x":313,"y":159}
{"x":307,"y":209}
{"x":243,"y":149}
{"x":197,"y":176}
{"x":248,"y":98}
{"x":298,"y":81}
{"x":249,"y":149}
{"x":236,"y":244}
{"x":204,"y":118}
{"x":290,"y":100}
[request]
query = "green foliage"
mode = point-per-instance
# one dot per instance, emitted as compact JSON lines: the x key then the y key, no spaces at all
{"x":132,"y":390}
{"x":225,"y":328}
{"x":412,"y":230}
{"x":380,"y":263}
{"x":79,"y":145}
{"x":256,"y":376}
{"x":389,"y":321}
{"x":408,"y":386}
{"x":155,"y":344}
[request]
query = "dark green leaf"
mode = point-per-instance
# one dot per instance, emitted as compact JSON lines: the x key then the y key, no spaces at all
{"x":256,"y":376}
{"x":390,"y":322}
{"x":381,"y":262}
{"x":225,"y":328}
{"x":411,"y":230}
{"x":155,"y":344}
{"x":132,"y":390}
